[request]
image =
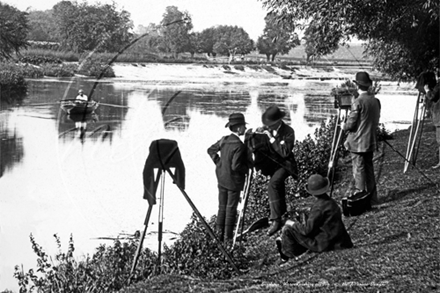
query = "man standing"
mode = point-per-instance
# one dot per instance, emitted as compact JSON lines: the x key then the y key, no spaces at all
{"x":361,"y":141}
{"x":281,"y":142}
{"x":231,"y":169}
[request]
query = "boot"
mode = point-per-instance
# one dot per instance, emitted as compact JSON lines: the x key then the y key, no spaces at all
{"x":282,"y":255}
{"x":275,"y":227}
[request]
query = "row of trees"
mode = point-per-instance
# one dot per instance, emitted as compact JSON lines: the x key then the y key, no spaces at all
{"x":80,"y":27}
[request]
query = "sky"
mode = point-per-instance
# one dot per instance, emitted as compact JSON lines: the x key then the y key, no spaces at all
{"x":248,"y":14}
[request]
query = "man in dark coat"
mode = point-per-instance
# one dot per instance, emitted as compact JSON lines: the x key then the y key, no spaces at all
{"x":281,"y":139}
{"x":231,"y":170}
{"x":362,"y":123}
{"x":323,"y":230}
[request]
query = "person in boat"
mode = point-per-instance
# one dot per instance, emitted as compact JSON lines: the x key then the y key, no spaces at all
{"x":231,"y":170}
{"x":275,"y":158}
{"x":322,"y":231}
{"x":81,"y":97}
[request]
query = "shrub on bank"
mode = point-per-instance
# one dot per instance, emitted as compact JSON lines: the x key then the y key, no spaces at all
{"x":12,"y":82}
{"x":59,"y":70}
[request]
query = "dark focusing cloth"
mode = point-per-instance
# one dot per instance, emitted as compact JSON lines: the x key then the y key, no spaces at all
{"x":164,"y":154}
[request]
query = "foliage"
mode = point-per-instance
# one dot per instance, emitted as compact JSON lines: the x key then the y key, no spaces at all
{"x":197,"y":254}
{"x":41,"y":26}
{"x":14,"y":28}
{"x":276,"y":39}
{"x":59,"y":70}
{"x":49,"y":55}
{"x":403,"y":35}
{"x":37,"y":60}
{"x":12,"y":82}
{"x":175,"y":27}
{"x":96,"y":67}
{"x":82,"y":27}
{"x":314,"y":47}
{"x":106,"y":271}
{"x":232,"y":40}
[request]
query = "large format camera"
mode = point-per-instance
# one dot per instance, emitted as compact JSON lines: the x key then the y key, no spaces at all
{"x":344,"y":95}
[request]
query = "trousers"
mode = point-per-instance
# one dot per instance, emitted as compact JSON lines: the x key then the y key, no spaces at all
{"x":277,"y":194}
{"x":227,"y":211}
{"x":363,"y":174}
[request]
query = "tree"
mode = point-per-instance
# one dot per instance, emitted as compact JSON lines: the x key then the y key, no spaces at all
{"x":276,"y":39}
{"x":13,"y":30}
{"x":82,"y":27}
{"x":207,"y":39}
{"x":314,"y":49}
{"x":41,"y":26}
{"x":176,"y":26}
{"x":403,"y":36}
{"x":232,"y":40}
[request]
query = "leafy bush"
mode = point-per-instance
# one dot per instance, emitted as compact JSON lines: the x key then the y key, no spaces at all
{"x":12,"y":82}
{"x":37,"y":60}
{"x":107,"y":271}
{"x":59,"y":70}
{"x":95,"y":67}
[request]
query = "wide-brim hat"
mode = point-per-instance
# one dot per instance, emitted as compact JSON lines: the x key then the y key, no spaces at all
{"x":317,"y":184}
{"x":235,"y":119}
{"x":362,"y":78}
{"x":272,"y":115}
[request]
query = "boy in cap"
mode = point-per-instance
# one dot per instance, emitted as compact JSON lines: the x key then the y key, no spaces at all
{"x":361,"y":142}
{"x":231,"y":169}
{"x":323,"y":230}
{"x":281,"y":141}
{"x":81,"y":96}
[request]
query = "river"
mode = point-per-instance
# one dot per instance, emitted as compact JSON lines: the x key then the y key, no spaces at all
{"x":55,"y":180}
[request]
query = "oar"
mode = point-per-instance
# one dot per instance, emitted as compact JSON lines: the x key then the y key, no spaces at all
{"x":111,"y":105}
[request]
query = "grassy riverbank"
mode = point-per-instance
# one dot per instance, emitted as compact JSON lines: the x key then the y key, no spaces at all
{"x":396,"y":246}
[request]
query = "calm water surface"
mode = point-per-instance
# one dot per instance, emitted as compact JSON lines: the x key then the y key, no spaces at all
{"x":55,"y":180}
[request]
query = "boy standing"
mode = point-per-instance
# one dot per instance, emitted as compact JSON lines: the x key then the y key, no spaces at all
{"x":231,"y":170}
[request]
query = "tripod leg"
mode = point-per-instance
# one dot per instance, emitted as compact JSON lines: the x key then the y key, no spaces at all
{"x":161,"y":208}
{"x":419,"y":136}
{"x":415,"y":137}
{"x":240,"y":221}
{"x":208,"y":228}
{"x":412,"y":134}
{"x":141,"y":241}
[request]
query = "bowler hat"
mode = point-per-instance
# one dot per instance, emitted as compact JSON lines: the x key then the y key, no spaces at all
{"x":272,"y":115}
{"x":235,"y":119}
{"x":317,"y":184}
{"x":362,"y":78}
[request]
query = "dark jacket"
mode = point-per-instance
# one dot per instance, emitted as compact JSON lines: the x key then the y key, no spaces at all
{"x":270,"y":157}
{"x":362,"y":124}
{"x":231,"y":165}
{"x":324,"y":229}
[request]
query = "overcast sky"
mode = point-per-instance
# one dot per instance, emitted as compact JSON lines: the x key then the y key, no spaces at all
{"x":248,"y":14}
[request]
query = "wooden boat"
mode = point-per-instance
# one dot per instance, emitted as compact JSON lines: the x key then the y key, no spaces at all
{"x":79,"y":107}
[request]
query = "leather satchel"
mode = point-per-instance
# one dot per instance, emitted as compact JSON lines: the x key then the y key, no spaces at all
{"x":356,"y":204}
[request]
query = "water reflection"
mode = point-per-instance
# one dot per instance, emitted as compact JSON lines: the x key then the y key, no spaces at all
{"x":11,"y":147}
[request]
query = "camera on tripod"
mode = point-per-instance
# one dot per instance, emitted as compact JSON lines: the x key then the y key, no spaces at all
{"x":344,"y":95}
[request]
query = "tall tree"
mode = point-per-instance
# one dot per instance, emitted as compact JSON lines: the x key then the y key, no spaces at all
{"x":83,"y":27}
{"x":176,"y":26}
{"x":232,"y":40}
{"x":41,"y":26}
{"x":403,"y":36}
{"x":207,"y":39}
{"x":276,"y":39}
{"x":13,"y":30}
